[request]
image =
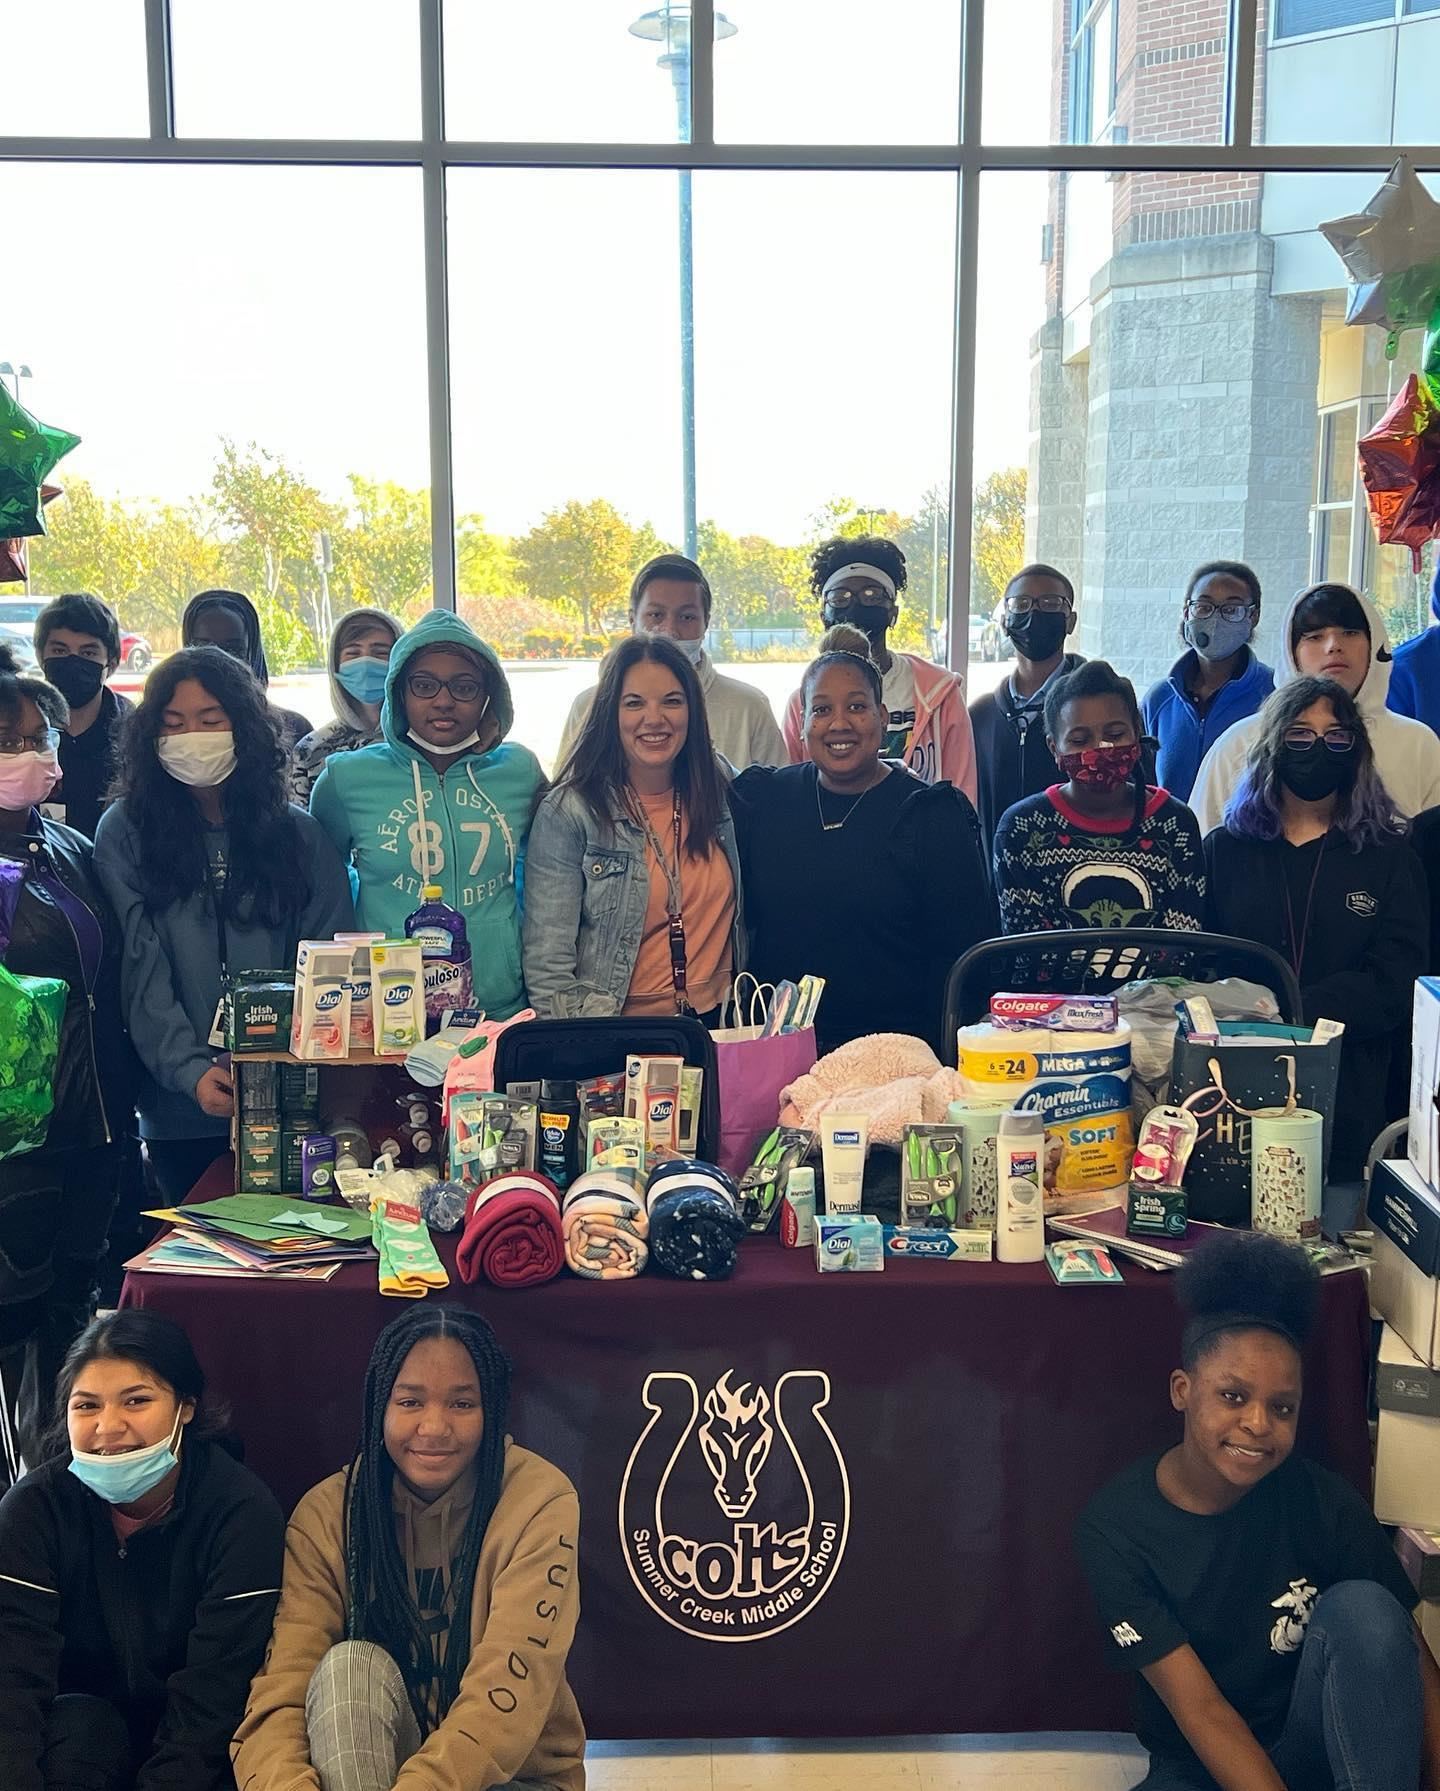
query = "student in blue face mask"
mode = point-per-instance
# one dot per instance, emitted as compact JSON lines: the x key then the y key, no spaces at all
{"x":139,"y":1574}
{"x":1216,"y":681}
{"x":359,"y":659}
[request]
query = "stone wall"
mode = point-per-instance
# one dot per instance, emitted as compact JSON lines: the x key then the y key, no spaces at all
{"x":1199,"y":442}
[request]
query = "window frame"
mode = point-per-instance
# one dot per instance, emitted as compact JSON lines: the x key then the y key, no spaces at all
{"x":1401,"y":10}
{"x":1083,"y":125}
{"x":968,"y":158}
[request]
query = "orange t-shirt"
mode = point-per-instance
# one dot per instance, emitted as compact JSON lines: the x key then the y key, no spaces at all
{"x":707,"y":901}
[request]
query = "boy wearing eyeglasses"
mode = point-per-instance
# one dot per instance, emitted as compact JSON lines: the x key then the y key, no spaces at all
{"x":444,"y":799}
{"x":1216,"y":681}
{"x":1013,"y":760}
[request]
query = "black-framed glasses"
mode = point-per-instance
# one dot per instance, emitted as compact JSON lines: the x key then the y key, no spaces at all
{"x":1204,"y":610}
{"x":425,"y":685}
{"x":1336,"y":739}
{"x":1051,"y":604}
{"x":843,"y":596}
{"x":47,"y":740}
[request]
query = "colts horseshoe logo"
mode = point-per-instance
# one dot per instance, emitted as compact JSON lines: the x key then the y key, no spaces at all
{"x":733,"y":1524}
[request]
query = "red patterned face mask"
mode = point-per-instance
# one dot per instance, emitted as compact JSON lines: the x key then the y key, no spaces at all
{"x":1100,"y":767}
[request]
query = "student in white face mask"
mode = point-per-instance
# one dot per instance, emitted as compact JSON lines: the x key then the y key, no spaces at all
{"x":139,"y":1575}
{"x":209,"y":867}
{"x":671,"y":597}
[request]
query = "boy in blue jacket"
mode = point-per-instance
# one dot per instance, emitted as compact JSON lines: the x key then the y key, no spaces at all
{"x":1216,"y":682}
{"x":1415,"y":675}
{"x":443,"y":799}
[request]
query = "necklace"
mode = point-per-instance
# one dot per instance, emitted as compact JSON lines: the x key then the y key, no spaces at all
{"x":835,"y":826}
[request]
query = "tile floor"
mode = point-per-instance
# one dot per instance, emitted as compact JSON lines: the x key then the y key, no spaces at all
{"x":909,"y":1763}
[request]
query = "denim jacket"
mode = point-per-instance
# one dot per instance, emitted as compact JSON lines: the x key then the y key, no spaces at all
{"x":587,"y":886}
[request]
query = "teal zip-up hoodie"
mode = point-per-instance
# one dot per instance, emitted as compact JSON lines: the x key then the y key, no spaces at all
{"x":477,"y":819}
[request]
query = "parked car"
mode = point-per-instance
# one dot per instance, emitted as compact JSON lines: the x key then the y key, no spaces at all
{"x":20,"y":636}
{"x":136,"y":653}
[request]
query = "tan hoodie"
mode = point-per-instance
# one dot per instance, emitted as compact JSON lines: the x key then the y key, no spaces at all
{"x":515,"y":1716}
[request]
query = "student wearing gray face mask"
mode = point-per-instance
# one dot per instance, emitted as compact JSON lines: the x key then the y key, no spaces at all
{"x":1216,"y":682}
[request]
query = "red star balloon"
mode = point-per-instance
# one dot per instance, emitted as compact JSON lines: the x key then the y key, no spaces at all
{"x":29,"y":450}
{"x":1400,"y":464}
{"x":14,"y":556}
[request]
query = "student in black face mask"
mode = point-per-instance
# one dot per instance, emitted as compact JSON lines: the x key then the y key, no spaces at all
{"x":1313,"y":860}
{"x":77,"y":641}
{"x":1037,"y":614}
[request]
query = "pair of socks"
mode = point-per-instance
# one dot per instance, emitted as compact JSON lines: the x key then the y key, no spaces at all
{"x":409,"y":1267}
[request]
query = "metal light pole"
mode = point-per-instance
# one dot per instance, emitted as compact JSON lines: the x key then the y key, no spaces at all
{"x":15,"y":373}
{"x":670,"y":26}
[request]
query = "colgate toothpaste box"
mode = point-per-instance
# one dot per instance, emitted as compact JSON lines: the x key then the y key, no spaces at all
{"x":1055,"y":1013}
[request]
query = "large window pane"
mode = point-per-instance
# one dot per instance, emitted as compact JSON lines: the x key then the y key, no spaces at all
{"x":254,"y":419}
{"x":1105,"y":71}
{"x":814,"y":413}
{"x":844,"y":72}
{"x":296,"y":68}
{"x":1173,"y":398}
{"x":572,"y":71}
{"x":1345,"y":71}
{"x":73,"y":68}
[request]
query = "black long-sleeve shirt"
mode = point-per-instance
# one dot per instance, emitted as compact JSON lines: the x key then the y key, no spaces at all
{"x":1356,"y":926}
{"x":880,"y":906}
{"x":170,"y":1626}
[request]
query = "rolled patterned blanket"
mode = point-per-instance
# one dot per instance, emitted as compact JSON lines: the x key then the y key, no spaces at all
{"x":605,"y":1227}
{"x":695,"y":1222}
{"x":513,"y":1235}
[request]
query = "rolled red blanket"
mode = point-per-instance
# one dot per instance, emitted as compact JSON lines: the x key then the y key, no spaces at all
{"x":512,"y":1234}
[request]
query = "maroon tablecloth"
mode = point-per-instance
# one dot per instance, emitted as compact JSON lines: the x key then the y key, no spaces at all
{"x":896,"y":1559}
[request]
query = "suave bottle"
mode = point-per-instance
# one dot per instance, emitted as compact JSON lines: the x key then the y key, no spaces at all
{"x":445,"y":948}
{"x":1020,"y":1175}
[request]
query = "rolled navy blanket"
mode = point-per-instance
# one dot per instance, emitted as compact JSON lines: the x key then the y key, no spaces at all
{"x":695,"y":1221}
{"x":513,"y":1235}
{"x":605,"y":1227}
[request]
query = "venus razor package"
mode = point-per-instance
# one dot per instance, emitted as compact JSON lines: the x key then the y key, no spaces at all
{"x":930,"y":1176}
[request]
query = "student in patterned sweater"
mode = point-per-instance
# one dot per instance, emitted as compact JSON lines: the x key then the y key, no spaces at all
{"x":1102,"y":849}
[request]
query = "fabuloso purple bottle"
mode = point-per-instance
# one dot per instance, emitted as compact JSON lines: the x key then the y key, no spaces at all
{"x":440,"y":933}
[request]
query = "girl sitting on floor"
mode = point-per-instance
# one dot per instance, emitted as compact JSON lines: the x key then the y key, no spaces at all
{"x":139,"y":1569}
{"x":430,"y":1593}
{"x":1253,"y":1594}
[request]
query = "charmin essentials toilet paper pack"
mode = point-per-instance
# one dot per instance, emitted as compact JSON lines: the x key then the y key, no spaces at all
{"x":1080,"y":1081}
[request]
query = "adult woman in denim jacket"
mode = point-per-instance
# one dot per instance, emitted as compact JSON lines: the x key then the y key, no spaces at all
{"x":632,"y":884}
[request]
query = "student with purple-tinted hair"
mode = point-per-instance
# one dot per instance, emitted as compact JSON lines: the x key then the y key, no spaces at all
{"x":1314,"y":860}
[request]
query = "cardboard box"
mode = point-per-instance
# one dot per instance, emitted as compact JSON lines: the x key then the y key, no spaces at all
{"x":849,"y":1242}
{"x":924,"y":1243}
{"x":1407,"y":1453}
{"x":1425,"y":1081}
{"x":259,"y":1158}
{"x":1403,"y":1383}
{"x":1405,"y":1267}
{"x":1419,"y":1552}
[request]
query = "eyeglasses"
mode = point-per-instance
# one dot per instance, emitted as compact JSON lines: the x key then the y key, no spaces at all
{"x":47,"y":740}
{"x":843,"y":596}
{"x":1232,"y":612}
{"x":425,"y":685}
{"x":1305,"y":739}
{"x":1050,"y":605}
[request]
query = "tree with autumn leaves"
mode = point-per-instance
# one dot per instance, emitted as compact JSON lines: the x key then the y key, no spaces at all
{"x":263,"y":528}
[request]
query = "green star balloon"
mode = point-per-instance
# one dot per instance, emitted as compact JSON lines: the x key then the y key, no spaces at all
{"x":28,"y":451}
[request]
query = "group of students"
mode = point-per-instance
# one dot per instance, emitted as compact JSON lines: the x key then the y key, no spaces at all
{"x":161,"y":1626}
{"x":872,"y":841}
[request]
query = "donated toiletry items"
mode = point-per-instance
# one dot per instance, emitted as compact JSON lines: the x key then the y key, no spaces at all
{"x":844,"y":1138}
{"x":320,"y":1021}
{"x":397,"y":994}
{"x":1157,"y":1205}
{"x":1020,"y":1217}
{"x":1285,"y":1183}
{"x":853,"y":1242}
{"x":797,"y":1210}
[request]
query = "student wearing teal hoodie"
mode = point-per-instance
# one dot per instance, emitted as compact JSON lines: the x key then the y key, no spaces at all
{"x":446,"y":713}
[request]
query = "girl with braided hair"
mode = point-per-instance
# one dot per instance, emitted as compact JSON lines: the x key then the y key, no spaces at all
{"x":430,"y":1593}
{"x":1252,"y":1593}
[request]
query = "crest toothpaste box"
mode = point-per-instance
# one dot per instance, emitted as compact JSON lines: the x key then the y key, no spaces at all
{"x":1055,"y":1013}
{"x":849,"y":1242}
{"x":919,"y":1242}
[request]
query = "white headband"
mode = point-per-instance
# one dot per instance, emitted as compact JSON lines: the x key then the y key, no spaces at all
{"x":841,"y":573}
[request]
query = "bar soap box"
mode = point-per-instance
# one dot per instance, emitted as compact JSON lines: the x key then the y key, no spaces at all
{"x":939,"y":1246}
{"x":852,"y":1242}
